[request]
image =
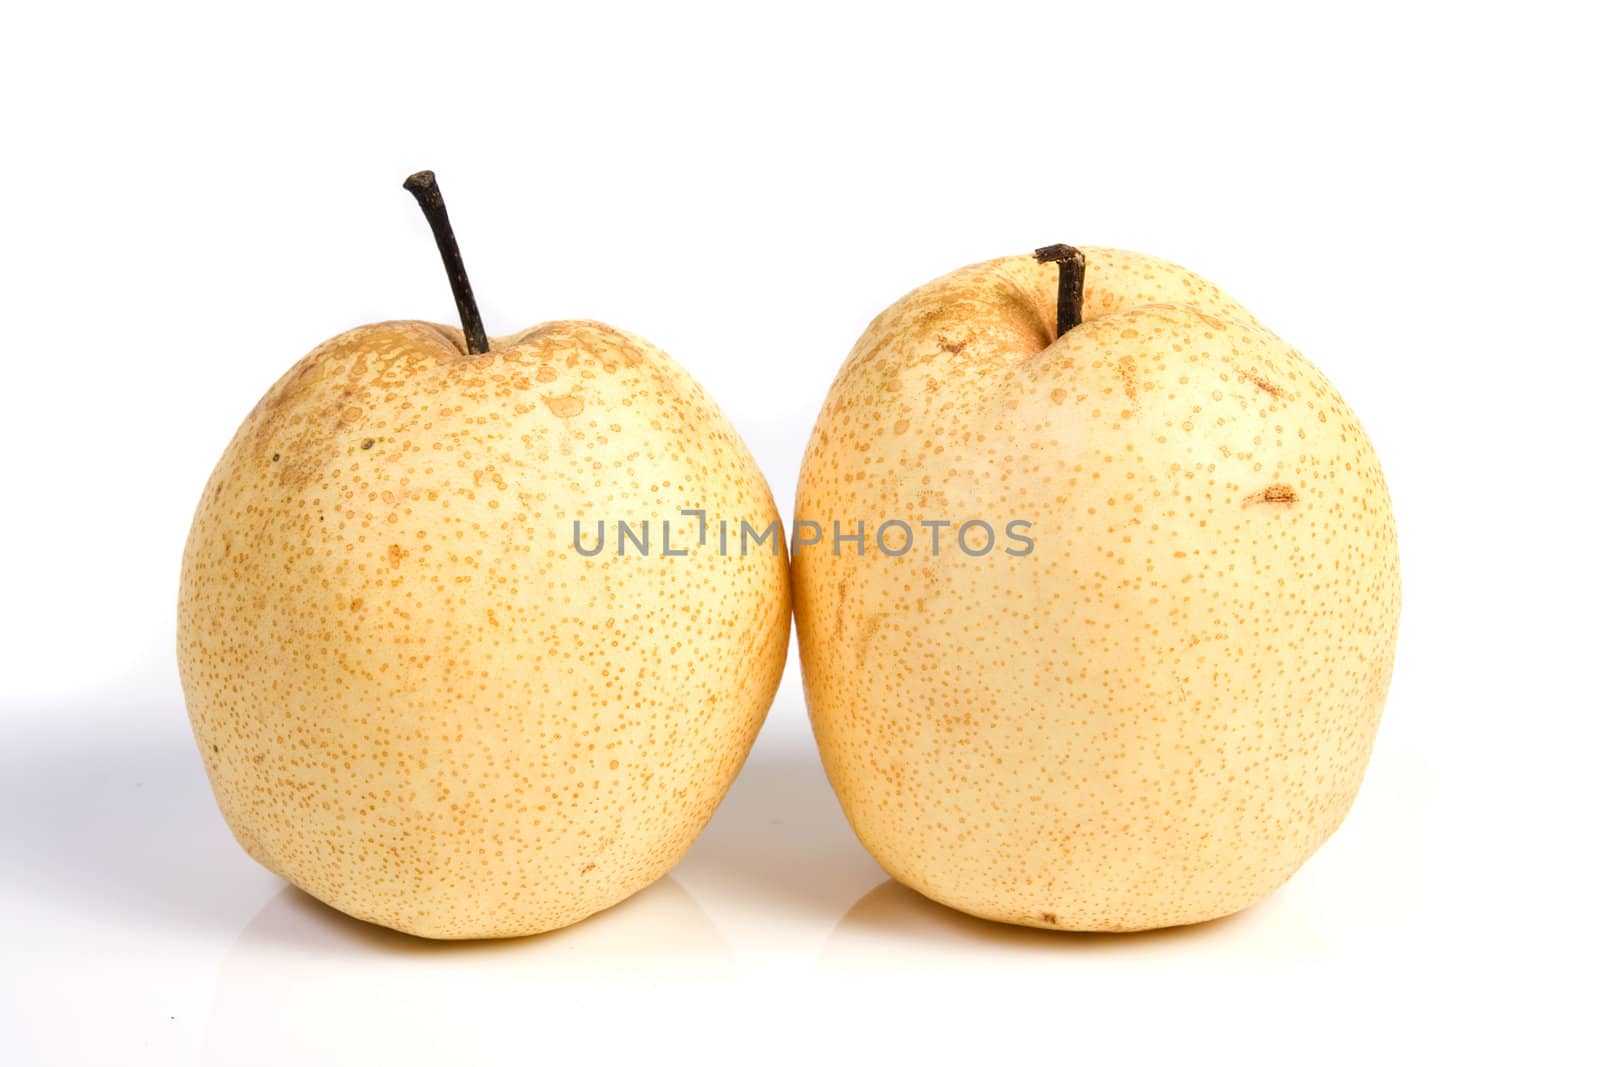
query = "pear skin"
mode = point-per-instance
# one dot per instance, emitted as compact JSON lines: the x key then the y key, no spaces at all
{"x":1157,"y":714}
{"x":415,"y":700}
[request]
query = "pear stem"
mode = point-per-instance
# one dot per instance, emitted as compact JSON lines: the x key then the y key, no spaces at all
{"x":425,"y":188}
{"x":1069,"y":296}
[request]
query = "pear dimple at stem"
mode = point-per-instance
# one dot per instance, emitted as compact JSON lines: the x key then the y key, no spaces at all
{"x":425,"y":188}
{"x":1069,"y":296}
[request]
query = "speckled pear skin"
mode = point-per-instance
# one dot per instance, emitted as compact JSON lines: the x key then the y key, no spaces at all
{"x":1156,"y":716}
{"x":415,"y":700}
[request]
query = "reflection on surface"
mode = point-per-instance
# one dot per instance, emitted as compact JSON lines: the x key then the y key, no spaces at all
{"x":893,"y":917}
{"x":105,"y":809}
{"x":779,"y":847}
{"x":660,"y":922}
{"x":305,"y":980}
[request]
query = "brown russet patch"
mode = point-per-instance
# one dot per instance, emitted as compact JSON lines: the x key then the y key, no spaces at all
{"x":564,"y":407}
{"x":1128,"y":371}
{"x":1261,"y":383}
{"x":1274,"y":494}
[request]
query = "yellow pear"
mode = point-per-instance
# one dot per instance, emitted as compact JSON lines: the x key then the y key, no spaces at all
{"x":416,"y":699}
{"x":1154,"y":695}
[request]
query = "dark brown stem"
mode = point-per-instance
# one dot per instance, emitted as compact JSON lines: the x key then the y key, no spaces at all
{"x":425,"y":188}
{"x":1069,"y":297}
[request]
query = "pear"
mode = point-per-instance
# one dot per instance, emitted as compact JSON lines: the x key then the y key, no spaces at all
{"x":1148,"y":694}
{"x":416,"y":697}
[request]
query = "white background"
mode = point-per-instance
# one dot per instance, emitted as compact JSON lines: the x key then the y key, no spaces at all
{"x":195,"y":196}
